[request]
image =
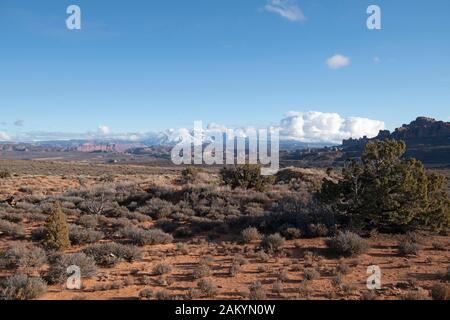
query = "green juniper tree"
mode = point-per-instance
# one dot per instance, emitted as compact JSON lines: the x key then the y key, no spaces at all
{"x":386,"y":192}
{"x":57,"y":230}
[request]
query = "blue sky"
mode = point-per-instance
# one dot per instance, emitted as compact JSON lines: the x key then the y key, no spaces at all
{"x":146,"y":65}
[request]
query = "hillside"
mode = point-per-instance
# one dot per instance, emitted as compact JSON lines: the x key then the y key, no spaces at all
{"x":426,"y":139}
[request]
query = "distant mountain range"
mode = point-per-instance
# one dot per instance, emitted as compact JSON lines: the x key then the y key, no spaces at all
{"x":426,"y":139}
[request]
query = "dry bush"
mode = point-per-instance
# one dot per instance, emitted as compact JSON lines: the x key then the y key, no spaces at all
{"x":256,"y":291}
{"x":369,"y":295}
{"x":58,"y":264}
{"x":438,"y":246}
{"x":21,"y":287}
{"x":182,"y":248}
{"x":273,"y":242}
{"x":317,"y":230}
{"x":347,"y":244}
{"x":311,"y":274}
{"x":250,"y":234}
{"x":11,"y":229}
{"x":21,"y":256}
{"x":143,"y":237}
{"x":440,"y":291}
{"x":407,"y":248}
{"x":162,"y":268}
{"x":88,"y":221}
{"x":146,"y":294}
{"x":201,"y":271}
{"x":342,"y":269}
{"x":235,"y":269}
{"x":79,"y":235}
{"x":108,"y":254}
{"x":4,"y":174}
{"x":162,"y":295}
{"x":277,"y":287}
{"x":419,"y":294}
{"x":207,"y":287}
{"x":193,"y":293}
{"x":292,"y":233}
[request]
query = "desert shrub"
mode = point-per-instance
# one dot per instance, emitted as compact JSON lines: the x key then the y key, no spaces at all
{"x":183,"y":232}
{"x":250,"y":234}
{"x":57,"y":272}
{"x":239,"y":259}
{"x":138,"y":217}
{"x":201,"y":271}
{"x":439,"y":246}
{"x":22,"y":287}
{"x":88,"y":221}
{"x":193,"y":293}
{"x":207,"y":287}
{"x":235,"y":269}
{"x":79,"y":235}
{"x":347,"y":244}
{"x":108,"y":254}
{"x":440,"y":292}
{"x":420,"y":294}
{"x":182,"y":248}
{"x":262,"y":256}
{"x":143,"y":237}
{"x":11,"y":217}
{"x":282,"y":275}
{"x":311,"y":274}
{"x":189,"y":174}
{"x":5,"y":174}
{"x":446,"y":275}
{"x":273,"y":242}
{"x":369,"y":295}
{"x":406,"y":248}
{"x":146,"y":293}
{"x":162,"y":268}
{"x":39,"y":234}
{"x":206,"y":260}
{"x":245,"y":177}
{"x":256,"y":291}
{"x":342,"y":269}
{"x":399,"y":194}
{"x":157,"y":208}
{"x":23,"y":257}
{"x":337,"y":280}
{"x":292,"y":233}
{"x":11,"y":229}
{"x":317,"y":230}
{"x":277,"y":287}
{"x":162,"y":295}
{"x":57,"y":230}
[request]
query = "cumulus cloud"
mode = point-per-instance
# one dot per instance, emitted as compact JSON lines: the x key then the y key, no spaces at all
{"x":103,"y":130}
{"x":19,"y":123}
{"x":287,"y":9}
{"x":338,"y":61}
{"x":326,"y":127}
{"x":310,"y":126}
{"x":4,"y":136}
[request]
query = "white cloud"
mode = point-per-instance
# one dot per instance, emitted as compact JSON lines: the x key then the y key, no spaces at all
{"x":338,"y":61}
{"x":4,"y":137}
{"x":326,"y":127}
{"x":103,"y":130}
{"x":287,"y":9}
{"x":298,"y":126}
